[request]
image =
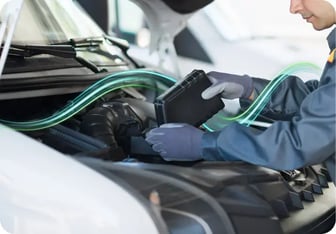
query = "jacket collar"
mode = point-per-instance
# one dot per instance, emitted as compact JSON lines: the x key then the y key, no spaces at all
{"x":332,"y":39}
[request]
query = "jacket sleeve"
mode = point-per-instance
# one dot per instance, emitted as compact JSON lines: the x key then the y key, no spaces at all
{"x":307,"y":138}
{"x":286,"y":99}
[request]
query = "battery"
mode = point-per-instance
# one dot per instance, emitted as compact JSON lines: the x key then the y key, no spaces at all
{"x":183,"y":102}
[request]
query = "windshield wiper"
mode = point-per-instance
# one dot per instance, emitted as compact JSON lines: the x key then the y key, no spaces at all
{"x":82,"y":42}
{"x":90,"y":42}
{"x":64,"y":51}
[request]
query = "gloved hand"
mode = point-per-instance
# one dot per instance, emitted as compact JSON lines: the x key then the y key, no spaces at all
{"x":228,"y":85}
{"x":176,"y":141}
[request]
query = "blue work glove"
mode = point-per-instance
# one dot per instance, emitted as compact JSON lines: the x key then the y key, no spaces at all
{"x":176,"y":141}
{"x":228,"y":85}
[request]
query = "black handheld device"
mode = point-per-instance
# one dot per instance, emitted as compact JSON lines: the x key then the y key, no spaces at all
{"x":183,"y":102}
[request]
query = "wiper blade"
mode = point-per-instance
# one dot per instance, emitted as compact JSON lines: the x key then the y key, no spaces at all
{"x":65,"y":51}
{"x":82,"y":42}
{"x":91,"y":42}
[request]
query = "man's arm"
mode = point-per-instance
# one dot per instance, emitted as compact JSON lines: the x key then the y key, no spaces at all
{"x":286,"y":100}
{"x":306,"y":139}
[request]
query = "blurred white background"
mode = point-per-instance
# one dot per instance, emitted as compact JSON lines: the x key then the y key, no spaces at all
{"x":259,"y":37}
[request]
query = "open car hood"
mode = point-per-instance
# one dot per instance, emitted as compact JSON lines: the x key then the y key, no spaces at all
{"x":166,"y":18}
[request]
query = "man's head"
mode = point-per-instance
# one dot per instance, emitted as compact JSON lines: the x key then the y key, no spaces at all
{"x":320,"y":13}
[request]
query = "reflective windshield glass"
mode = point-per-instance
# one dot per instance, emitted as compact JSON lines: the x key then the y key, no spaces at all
{"x":52,"y":21}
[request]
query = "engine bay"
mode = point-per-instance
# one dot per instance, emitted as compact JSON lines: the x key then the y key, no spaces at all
{"x":106,"y":133}
{"x":104,"y":126}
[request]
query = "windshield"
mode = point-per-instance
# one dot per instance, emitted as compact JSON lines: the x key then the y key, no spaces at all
{"x":59,"y":22}
{"x":52,"y":21}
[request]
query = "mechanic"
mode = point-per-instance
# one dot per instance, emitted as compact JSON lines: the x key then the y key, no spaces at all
{"x":304,"y":133}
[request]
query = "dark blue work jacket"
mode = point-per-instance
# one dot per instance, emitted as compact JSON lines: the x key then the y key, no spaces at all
{"x":303,"y":135}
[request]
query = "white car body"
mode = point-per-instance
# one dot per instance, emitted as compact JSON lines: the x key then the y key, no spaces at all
{"x":45,"y":191}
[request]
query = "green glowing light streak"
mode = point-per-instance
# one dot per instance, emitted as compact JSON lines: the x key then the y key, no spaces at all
{"x":138,"y":78}
{"x":144,"y":79}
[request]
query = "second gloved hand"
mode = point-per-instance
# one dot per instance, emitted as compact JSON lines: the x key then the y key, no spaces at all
{"x":176,"y":141}
{"x":228,"y":85}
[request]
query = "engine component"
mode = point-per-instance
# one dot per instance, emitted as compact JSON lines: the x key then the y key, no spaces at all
{"x":113,"y":123}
